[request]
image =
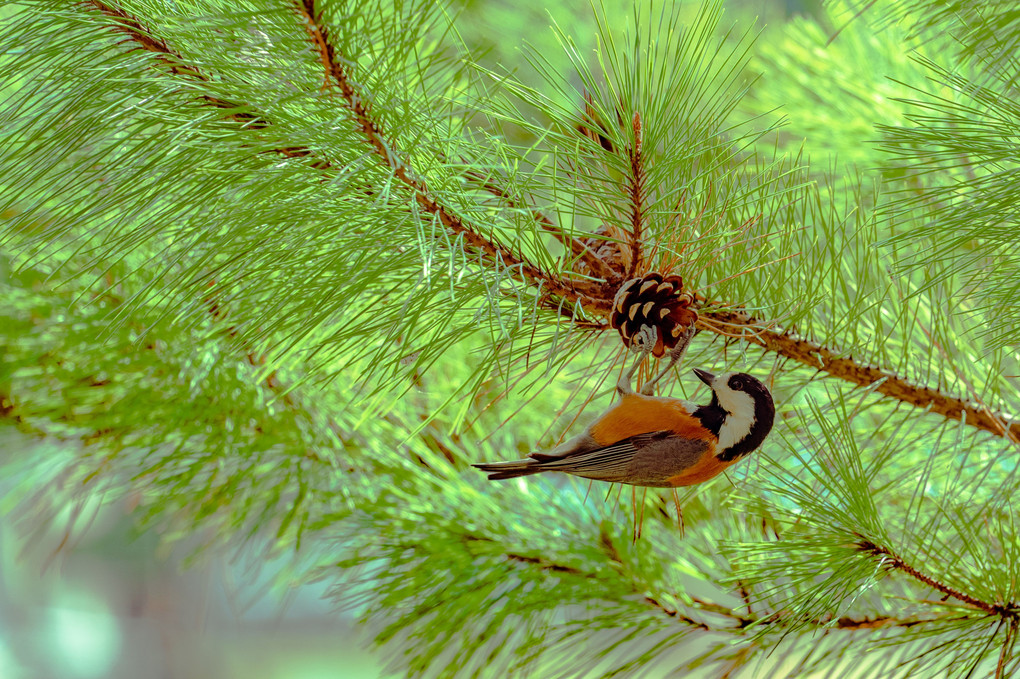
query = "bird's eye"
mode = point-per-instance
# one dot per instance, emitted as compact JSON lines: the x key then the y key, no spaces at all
{"x":736,"y":383}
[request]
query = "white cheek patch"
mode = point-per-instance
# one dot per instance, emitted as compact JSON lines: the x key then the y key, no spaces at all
{"x":738,"y":422}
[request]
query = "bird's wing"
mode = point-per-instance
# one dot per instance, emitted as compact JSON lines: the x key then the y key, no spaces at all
{"x":649,"y":459}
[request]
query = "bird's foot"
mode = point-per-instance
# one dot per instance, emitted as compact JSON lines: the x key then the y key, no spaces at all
{"x":642,"y":343}
{"x":674,"y":358}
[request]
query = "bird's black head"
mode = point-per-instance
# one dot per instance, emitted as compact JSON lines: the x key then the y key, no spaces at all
{"x":741,"y":412}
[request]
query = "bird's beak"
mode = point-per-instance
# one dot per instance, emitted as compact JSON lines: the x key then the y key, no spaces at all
{"x":704,"y":376}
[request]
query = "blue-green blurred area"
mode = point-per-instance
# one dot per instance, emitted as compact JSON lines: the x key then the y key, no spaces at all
{"x":104,"y":601}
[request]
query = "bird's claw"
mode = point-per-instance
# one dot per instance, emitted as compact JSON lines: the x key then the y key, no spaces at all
{"x":643,"y":342}
{"x":674,"y":357}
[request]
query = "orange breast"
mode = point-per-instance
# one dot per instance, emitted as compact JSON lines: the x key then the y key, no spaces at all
{"x":707,"y":467}
{"x":638,"y":414}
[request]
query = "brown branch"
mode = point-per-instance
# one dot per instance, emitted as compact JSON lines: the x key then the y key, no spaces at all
{"x":779,"y":618}
{"x":543,"y":564}
{"x":1009,"y":611}
{"x":546,"y":565}
{"x":372,"y":130}
{"x":8,"y":411}
{"x":132,"y":27}
{"x":580,"y":291}
{"x":742,"y":621}
{"x":636,"y":195}
{"x":144,"y":39}
{"x":848,"y":623}
{"x":253,"y":356}
{"x":677,"y":615}
{"x":825,"y":360}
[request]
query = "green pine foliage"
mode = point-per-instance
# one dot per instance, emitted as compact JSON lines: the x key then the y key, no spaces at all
{"x":279,"y":270}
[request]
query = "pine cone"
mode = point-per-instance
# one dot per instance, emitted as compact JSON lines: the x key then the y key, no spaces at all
{"x":656,"y":301}
{"x":615,"y":253}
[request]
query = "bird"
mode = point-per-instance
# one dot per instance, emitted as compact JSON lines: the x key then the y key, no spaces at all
{"x":657,"y":441}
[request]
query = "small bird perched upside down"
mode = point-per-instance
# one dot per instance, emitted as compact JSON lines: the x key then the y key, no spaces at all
{"x":646,"y":440}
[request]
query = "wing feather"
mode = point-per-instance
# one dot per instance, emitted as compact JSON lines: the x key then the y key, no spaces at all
{"x":649,"y":459}
{"x":646,"y":459}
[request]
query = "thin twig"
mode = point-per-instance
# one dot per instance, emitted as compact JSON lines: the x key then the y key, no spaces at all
{"x":892,"y":561}
{"x":545,"y":564}
{"x":144,"y":39}
{"x":636,"y":196}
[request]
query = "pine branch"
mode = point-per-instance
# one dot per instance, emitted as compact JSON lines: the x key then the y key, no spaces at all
{"x":636,"y":195}
{"x":545,"y":564}
{"x":358,"y":104}
{"x":248,"y":356}
{"x":8,"y":410}
{"x":677,"y":615}
{"x":146,"y":40}
{"x":143,"y":37}
{"x":575,"y":291}
{"x":1009,"y":612}
{"x":252,"y":356}
{"x":632,"y":585}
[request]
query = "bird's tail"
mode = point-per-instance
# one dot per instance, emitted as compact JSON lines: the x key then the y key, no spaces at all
{"x":508,"y":470}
